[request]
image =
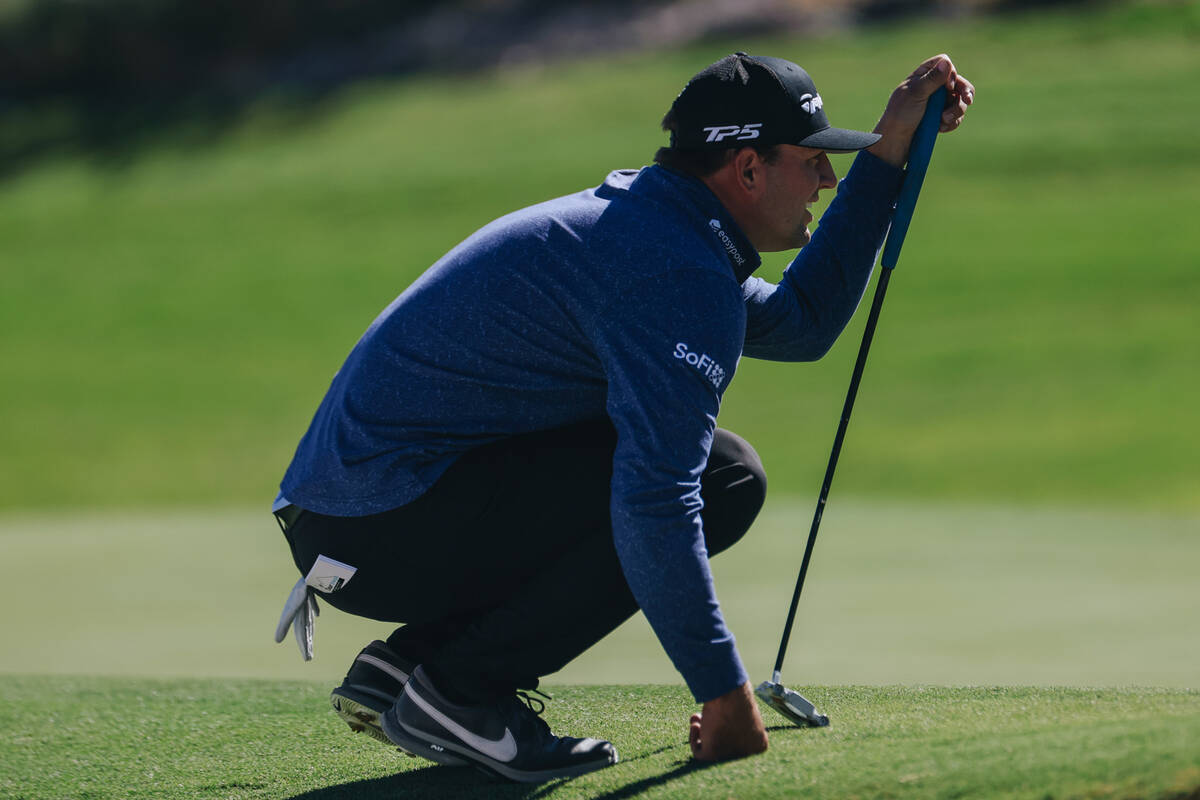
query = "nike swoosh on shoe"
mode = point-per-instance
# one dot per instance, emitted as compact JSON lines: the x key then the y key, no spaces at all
{"x":503,"y":749}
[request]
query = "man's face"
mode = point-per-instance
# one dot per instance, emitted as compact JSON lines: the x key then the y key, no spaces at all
{"x":792,"y":185}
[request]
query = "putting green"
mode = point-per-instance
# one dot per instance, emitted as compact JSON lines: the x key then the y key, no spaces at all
{"x":898,"y":594}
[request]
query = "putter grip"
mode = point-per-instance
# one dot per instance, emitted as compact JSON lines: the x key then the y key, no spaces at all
{"x":919,"y":154}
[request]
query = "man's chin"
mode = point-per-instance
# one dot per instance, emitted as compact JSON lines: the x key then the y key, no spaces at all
{"x":795,"y":243}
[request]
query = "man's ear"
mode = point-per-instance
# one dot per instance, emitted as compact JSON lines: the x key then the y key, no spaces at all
{"x":741,"y":184}
{"x":748,"y":170}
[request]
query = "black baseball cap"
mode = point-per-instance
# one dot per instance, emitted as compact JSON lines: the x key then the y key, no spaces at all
{"x":742,"y":100}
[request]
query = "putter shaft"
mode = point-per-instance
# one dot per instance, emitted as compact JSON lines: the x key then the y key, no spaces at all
{"x":920,"y":153}
{"x":859,"y":365}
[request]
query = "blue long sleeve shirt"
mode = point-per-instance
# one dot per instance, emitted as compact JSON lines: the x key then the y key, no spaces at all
{"x":633,"y":300}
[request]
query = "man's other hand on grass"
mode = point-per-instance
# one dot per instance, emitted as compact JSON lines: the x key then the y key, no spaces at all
{"x":728,"y":727}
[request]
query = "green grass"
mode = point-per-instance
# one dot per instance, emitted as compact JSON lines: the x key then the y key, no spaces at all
{"x":1026,"y":433}
{"x":897,"y":594}
{"x":104,"y":738}
{"x":167,"y":329}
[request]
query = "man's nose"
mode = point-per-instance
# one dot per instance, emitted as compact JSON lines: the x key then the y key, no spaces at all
{"x":828,"y":176}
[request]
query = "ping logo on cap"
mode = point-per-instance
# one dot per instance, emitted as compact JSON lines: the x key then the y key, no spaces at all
{"x":811,"y":103}
{"x":717,"y":133}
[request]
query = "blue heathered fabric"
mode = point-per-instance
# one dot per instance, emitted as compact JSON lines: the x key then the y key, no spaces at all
{"x":633,"y":299}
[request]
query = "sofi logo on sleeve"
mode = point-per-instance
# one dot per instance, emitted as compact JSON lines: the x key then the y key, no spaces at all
{"x":701,"y":361}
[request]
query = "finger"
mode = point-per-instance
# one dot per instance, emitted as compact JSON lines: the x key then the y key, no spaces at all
{"x":966,"y":90}
{"x":694,"y":736}
{"x":953,"y":116}
{"x":947,"y":127}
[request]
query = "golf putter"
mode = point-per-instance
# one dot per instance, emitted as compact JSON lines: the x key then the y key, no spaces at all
{"x":792,"y":704}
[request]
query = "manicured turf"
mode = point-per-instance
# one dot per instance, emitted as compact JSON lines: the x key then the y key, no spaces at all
{"x":169,"y":327}
{"x":897,"y":594}
{"x":101,"y":738}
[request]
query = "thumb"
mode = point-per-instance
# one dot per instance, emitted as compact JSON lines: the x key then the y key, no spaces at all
{"x":933,"y":74}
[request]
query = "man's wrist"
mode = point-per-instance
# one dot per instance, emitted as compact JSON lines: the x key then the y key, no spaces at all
{"x":893,"y":147}
{"x":719,"y":675}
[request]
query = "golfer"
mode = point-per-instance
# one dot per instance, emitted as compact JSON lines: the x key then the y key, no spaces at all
{"x":522,"y":450}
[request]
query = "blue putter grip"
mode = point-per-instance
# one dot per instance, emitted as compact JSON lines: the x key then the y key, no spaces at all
{"x":918,"y":162}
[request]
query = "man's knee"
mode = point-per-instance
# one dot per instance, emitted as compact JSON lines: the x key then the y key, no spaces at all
{"x":734,"y":488}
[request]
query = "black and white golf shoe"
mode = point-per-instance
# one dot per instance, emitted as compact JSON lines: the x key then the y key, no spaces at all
{"x":506,"y":738}
{"x":374,"y":681}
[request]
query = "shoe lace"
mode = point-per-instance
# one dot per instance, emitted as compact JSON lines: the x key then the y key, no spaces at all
{"x":534,"y":707}
{"x":532,"y":703}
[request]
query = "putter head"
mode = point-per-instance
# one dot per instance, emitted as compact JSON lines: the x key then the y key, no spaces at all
{"x":791,"y":704}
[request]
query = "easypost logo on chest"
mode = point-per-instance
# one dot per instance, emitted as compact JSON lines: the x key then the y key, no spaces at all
{"x":730,"y":247}
{"x":702,"y":361}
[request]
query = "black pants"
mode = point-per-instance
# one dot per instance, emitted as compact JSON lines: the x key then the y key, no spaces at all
{"x":505,"y":570}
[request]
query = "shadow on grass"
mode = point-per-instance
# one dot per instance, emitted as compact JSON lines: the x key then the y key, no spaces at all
{"x":466,"y":782}
{"x":788,"y":727}
{"x":637,"y":787}
{"x":431,"y":782}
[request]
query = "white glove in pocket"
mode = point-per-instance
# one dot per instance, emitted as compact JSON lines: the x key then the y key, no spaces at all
{"x":300,"y":611}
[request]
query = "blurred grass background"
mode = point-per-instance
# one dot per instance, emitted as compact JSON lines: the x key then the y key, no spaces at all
{"x":168,"y":325}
